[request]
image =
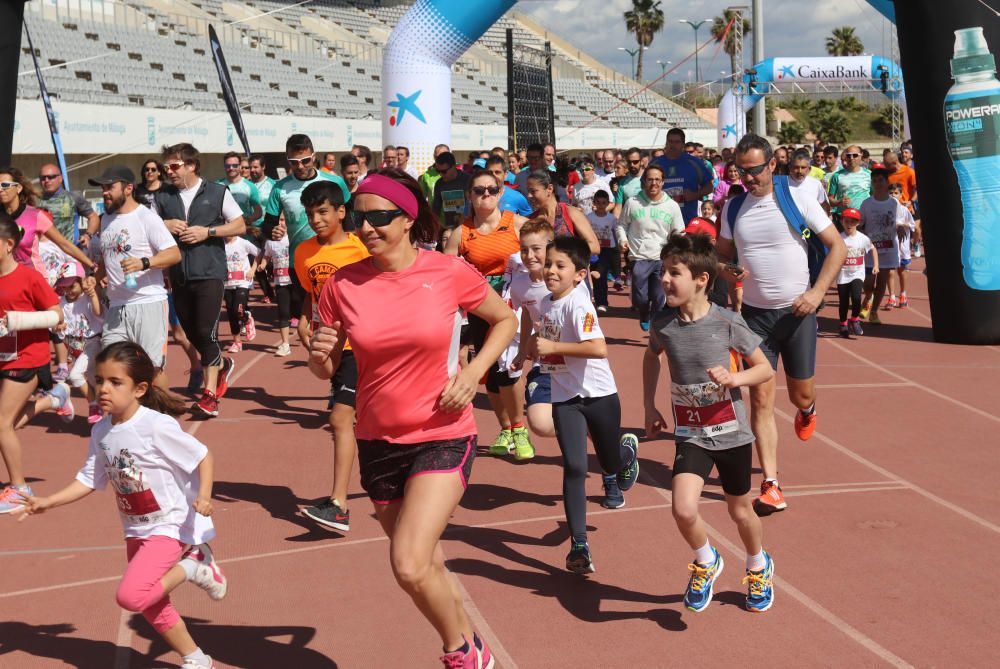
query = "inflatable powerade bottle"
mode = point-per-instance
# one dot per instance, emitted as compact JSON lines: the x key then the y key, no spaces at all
{"x":972,"y":123}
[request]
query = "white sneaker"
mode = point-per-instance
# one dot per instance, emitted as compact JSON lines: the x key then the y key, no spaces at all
{"x":282,"y":350}
{"x":195,"y":664}
{"x":208,"y":574}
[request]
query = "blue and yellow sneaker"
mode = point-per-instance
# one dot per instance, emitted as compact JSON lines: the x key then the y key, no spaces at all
{"x":699,"y":591}
{"x":760,"y":586}
{"x":579,"y":560}
{"x":629,"y":472}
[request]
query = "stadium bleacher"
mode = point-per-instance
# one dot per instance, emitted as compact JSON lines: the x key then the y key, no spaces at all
{"x":151,"y":53}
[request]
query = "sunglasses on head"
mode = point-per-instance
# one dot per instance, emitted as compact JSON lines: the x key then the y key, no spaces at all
{"x":173,"y":167}
{"x":377,"y":218}
{"x":304,"y":162}
{"x":752,"y":171}
{"x":47,"y":177}
{"x":483,"y":190}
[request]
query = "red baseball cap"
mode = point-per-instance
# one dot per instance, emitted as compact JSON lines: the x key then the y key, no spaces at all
{"x":701,"y":226}
{"x":851,"y":213}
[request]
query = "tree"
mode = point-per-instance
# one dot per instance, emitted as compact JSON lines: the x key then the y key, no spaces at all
{"x":843,"y":42}
{"x":831,"y":125}
{"x":644,"y":20}
{"x":791,"y":133}
{"x":719,"y":24}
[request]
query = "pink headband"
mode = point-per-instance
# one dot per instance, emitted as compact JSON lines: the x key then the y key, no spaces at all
{"x":395,"y":192}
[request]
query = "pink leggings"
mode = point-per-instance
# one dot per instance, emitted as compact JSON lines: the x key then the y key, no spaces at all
{"x":140,"y":590}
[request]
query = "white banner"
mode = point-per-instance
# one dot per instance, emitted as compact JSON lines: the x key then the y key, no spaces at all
{"x":823,"y":69}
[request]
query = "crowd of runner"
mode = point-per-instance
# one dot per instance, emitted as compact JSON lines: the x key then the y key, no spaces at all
{"x":502,"y":267}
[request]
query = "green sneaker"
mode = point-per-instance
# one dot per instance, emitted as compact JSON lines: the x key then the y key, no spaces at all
{"x":503,"y":443}
{"x":523,"y":448}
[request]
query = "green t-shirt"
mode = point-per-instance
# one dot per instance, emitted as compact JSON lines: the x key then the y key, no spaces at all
{"x":264,"y":188}
{"x":628,"y":186}
{"x":286,"y":198}
{"x":855,"y":186}
{"x":246,"y":195}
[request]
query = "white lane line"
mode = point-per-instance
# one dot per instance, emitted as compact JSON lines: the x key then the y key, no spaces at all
{"x":240,"y":372}
{"x":859,"y":487}
{"x":123,"y":650}
{"x":895,"y":477}
{"x":837,"y":622}
{"x":479,"y":622}
{"x":838,"y":386}
{"x":43,"y":551}
{"x":930,"y":391}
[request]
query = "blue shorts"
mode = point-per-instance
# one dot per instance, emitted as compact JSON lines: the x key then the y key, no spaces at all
{"x":904,"y":262}
{"x":538,"y":390}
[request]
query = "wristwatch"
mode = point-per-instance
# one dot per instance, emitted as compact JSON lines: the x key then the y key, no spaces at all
{"x":145,"y":263}
{"x":211,"y":232}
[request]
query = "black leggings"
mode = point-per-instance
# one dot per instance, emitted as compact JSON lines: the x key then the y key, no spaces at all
{"x":198,"y":305}
{"x":850,"y":291}
{"x":263,"y":277}
{"x":237,"y":308}
{"x":283,"y":296}
{"x":602,"y":417}
{"x":608,"y":263}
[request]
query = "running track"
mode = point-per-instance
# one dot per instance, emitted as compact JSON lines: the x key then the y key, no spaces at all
{"x":881,"y":559}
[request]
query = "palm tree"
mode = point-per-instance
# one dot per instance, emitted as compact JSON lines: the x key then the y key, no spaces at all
{"x":644,"y":20}
{"x":719,"y":24}
{"x":843,"y":42}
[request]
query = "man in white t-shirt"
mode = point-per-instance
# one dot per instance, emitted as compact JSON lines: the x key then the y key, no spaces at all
{"x":778,"y":303}
{"x":810,"y":187}
{"x":590,"y":183}
{"x":134,"y":247}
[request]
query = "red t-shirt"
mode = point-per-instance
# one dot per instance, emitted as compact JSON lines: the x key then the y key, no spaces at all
{"x":25,"y":289}
{"x":404,"y":328}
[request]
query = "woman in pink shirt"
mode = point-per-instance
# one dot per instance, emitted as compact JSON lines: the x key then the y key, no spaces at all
{"x":729,"y":178}
{"x":18,"y":198}
{"x":402,"y":311}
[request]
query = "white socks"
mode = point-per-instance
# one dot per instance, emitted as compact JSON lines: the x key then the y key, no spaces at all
{"x":756,"y":562}
{"x":705,"y":555}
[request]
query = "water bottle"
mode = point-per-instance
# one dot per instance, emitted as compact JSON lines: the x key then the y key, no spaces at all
{"x":130,"y":281}
{"x":972,"y":124}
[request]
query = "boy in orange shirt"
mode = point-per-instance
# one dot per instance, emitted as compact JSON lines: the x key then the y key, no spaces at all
{"x":316,"y":260}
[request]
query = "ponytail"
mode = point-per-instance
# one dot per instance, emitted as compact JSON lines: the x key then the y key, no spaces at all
{"x":9,"y":229}
{"x":140,"y":369}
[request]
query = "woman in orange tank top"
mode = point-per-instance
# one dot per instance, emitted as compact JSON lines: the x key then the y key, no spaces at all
{"x":487,"y":239}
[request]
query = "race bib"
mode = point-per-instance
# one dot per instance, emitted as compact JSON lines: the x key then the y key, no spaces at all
{"x":703,"y":410}
{"x":141,"y":503}
{"x":236,"y":276}
{"x":552,"y":364}
{"x":854,"y":261}
{"x":453,"y":201}
{"x":281,"y":271}
{"x":8,"y":347}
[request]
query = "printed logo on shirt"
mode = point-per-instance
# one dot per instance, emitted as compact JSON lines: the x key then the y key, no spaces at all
{"x":135,"y":499}
{"x":318,"y":274}
{"x":121,"y":243}
{"x":588,"y":323}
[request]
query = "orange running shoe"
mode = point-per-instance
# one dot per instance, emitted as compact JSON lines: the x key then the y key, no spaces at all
{"x":770,"y":500}
{"x":805,"y":425}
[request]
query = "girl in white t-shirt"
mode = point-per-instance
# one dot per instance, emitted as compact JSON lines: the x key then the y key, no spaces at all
{"x":851,"y":279}
{"x":241,"y":265}
{"x":570,"y":347}
{"x":55,"y":260}
{"x":276,"y":252}
{"x":162,"y":479}
{"x":83,"y":322}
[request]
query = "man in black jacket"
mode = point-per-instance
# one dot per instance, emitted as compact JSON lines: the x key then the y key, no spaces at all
{"x":200,"y":214}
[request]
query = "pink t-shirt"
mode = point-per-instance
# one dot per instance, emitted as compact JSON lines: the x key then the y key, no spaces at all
{"x":404,"y":328}
{"x":35,"y":222}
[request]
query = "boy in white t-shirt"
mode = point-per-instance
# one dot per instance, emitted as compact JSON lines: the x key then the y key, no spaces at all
{"x":83,"y":322}
{"x":905,"y":251}
{"x":570,"y":347}
{"x":851,"y":279}
{"x":603,"y":222}
{"x":241,"y":265}
{"x":276,"y":252}
{"x":882,"y":219}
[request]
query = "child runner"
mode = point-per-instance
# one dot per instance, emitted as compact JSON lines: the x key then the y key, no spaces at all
{"x":708,"y":210}
{"x":603,"y":221}
{"x":570,"y":346}
{"x":402,"y":310}
{"x":852,"y":275}
{"x":704,"y":345}
{"x":316,"y":260}
{"x":276,"y":252}
{"x":237,"y":290}
{"x":83,"y":322}
{"x":905,"y":235}
{"x":882,"y":218}
{"x":28,"y":308}
{"x":162,"y":478}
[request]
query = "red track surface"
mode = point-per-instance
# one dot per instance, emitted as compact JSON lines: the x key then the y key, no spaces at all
{"x":881,"y":558}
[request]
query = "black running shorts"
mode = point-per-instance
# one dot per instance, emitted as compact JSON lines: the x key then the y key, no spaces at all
{"x":734,"y":465}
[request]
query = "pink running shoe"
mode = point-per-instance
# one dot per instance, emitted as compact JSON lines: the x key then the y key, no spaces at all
{"x":460,"y":660}
{"x":251,"y":327}
{"x":208,"y":574}
{"x":485,"y":656}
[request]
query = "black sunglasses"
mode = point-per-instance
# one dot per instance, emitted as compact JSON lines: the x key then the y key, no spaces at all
{"x":635,"y":162}
{"x":852,"y":155}
{"x":483,"y":190}
{"x":47,"y":177}
{"x":378,"y":218}
{"x":752,"y":171}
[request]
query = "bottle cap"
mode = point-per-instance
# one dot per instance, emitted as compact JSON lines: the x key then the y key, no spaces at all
{"x":972,"y":54}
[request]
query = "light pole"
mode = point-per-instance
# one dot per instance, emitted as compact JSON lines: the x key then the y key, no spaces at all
{"x":663,"y":66}
{"x":633,"y":53}
{"x":695,"y":25}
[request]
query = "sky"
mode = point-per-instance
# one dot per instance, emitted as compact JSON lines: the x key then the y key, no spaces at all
{"x":791,"y":28}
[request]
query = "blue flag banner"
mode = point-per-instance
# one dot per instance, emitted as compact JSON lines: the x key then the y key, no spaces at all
{"x":228,"y":92}
{"x":53,"y":126}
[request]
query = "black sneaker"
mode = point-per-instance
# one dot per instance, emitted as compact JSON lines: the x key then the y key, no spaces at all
{"x":579,"y":561}
{"x":844,"y":331}
{"x":630,"y":471}
{"x":613,"y":497}
{"x":330,"y":514}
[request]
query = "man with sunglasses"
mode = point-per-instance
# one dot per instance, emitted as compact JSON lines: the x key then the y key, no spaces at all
{"x":590,"y":183}
{"x":510,"y":199}
{"x":851,"y":184}
{"x":63,"y":204}
{"x":430,"y":177}
{"x":200,"y":214}
{"x":686,"y":177}
{"x":778,"y":303}
{"x":629,"y":185}
{"x":244,"y":191}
